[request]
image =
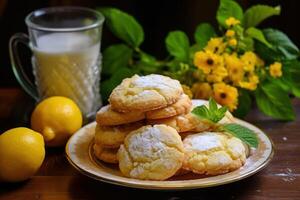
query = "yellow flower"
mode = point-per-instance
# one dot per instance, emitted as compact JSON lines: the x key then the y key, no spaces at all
{"x":226,"y":95}
{"x":232,"y":42}
{"x":249,"y":59}
{"x":231,"y":21}
{"x":252,"y":82}
{"x":230,"y":33}
{"x":217,"y":75}
{"x":201,"y":90}
{"x":275,"y":69}
{"x":234,"y":67}
{"x":187,"y":90}
{"x":206,"y":61}
{"x":215,"y":45}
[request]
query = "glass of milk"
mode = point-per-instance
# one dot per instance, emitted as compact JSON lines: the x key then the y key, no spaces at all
{"x":66,"y":60}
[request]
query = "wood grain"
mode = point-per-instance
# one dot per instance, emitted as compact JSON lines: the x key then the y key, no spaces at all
{"x":57,"y":180}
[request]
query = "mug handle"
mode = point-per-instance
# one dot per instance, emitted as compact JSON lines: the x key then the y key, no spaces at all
{"x":17,"y":67}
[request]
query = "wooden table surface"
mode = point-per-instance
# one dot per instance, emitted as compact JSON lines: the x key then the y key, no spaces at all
{"x":57,"y":179}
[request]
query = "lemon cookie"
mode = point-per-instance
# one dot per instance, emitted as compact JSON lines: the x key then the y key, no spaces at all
{"x":108,"y":117}
{"x":213,"y":153}
{"x":151,"y":153}
{"x":113,"y":136}
{"x":183,"y":123}
{"x":182,"y":106}
{"x":144,"y":93}
{"x":190,"y":122}
{"x":108,"y":155}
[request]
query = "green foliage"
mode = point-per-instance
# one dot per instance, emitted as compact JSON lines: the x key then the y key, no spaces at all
{"x":123,"y":26}
{"x":256,"y":14}
{"x":243,"y":133}
{"x":289,"y":81}
{"x":244,"y":104}
{"x":115,"y":57}
{"x":274,"y":101}
{"x":178,"y":45}
{"x":272,"y":95}
{"x":282,"y":48}
{"x":212,"y":113}
{"x":281,"y":43}
{"x":108,"y":85}
{"x":203,"y":33}
{"x":258,"y":35}
{"x":228,"y":8}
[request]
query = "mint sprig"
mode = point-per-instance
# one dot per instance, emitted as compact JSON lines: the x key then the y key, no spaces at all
{"x":243,"y":133}
{"x":214,"y":114}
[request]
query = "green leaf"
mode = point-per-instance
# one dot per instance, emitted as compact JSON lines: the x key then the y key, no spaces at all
{"x":202,"y":112}
{"x":256,"y":14}
{"x":212,"y":113}
{"x":212,"y":105}
{"x":178,"y":45}
{"x":228,"y":8}
{"x":108,"y":85}
{"x":243,"y":133}
{"x":246,"y":44}
{"x":290,"y":77}
{"x":281,"y":43}
{"x":274,"y":102}
{"x":203,"y":33}
{"x":293,"y":69}
{"x":258,"y":35}
{"x":267,"y":54}
{"x":116,"y":57}
{"x":123,"y":26}
{"x":244,"y":104}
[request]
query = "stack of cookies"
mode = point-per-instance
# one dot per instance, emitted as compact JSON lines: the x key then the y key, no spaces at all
{"x":132,"y":103}
{"x":143,"y":128}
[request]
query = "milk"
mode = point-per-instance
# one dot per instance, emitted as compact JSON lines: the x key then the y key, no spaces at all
{"x":67,"y":64}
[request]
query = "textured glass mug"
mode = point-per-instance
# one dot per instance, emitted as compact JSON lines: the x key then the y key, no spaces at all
{"x":66,"y":60}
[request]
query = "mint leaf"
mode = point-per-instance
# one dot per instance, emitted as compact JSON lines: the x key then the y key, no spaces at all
{"x":256,"y":14}
{"x":123,"y":26}
{"x":258,"y":35}
{"x":178,"y":45}
{"x":282,"y":44}
{"x":228,"y":8}
{"x":244,"y":107}
{"x":115,"y":57}
{"x":243,"y":133}
{"x":213,"y":107}
{"x":274,"y":101}
{"x":203,"y":33}
{"x":212,"y":113}
{"x":108,"y":85}
{"x":202,"y":112}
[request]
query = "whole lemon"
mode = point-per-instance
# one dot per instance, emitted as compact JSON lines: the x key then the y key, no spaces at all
{"x":56,"y":118}
{"x":22,"y":152}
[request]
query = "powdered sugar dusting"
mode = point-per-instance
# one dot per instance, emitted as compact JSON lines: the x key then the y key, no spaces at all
{"x":205,"y":142}
{"x":147,"y":144}
{"x":155,"y":81}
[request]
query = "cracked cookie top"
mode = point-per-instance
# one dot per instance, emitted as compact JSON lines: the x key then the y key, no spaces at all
{"x":152,"y":153}
{"x":213,"y":153}
{"x":144,"y":93}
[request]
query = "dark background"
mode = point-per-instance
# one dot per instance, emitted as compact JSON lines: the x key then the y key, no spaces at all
{"x":156,"y":17}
